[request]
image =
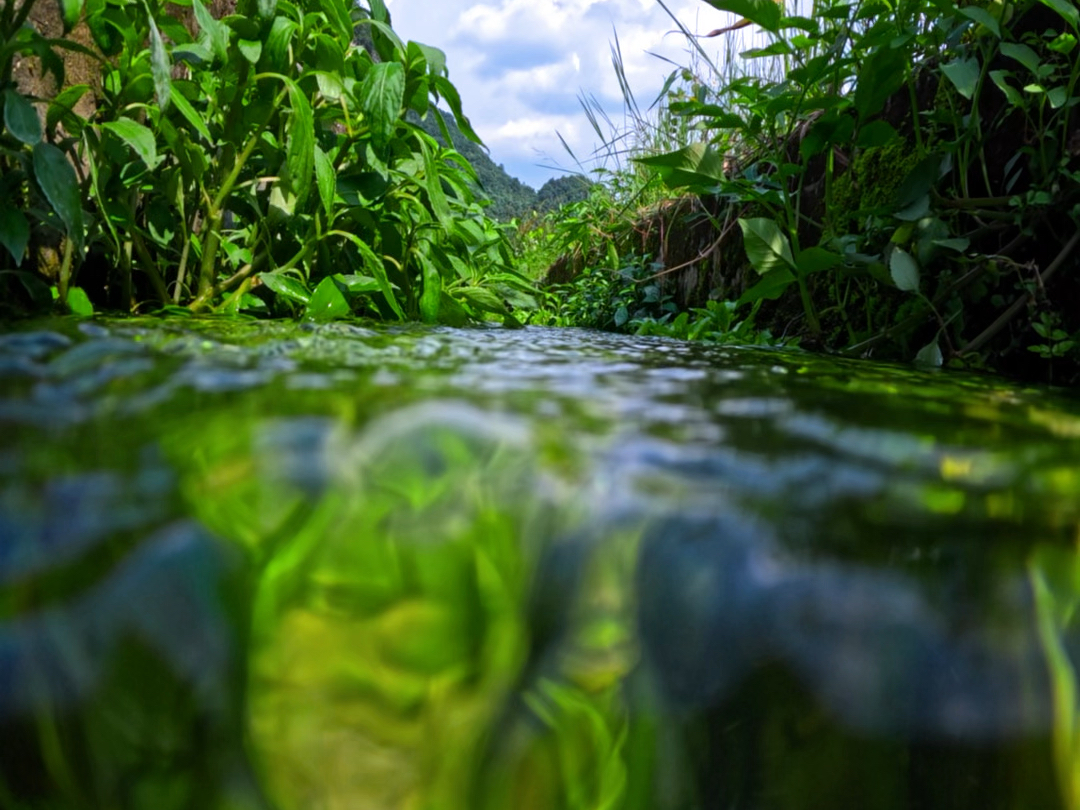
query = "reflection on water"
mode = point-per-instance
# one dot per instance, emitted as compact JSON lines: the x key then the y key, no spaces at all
{"x":254,"y":566}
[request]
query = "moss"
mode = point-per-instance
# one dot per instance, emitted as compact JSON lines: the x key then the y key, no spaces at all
{"x":871,"y":183}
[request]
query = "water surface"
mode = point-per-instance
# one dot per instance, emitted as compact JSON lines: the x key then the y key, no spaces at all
{"x":272,"y":565}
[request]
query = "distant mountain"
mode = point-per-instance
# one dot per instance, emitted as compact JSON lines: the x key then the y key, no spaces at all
{"x":509,"y":197}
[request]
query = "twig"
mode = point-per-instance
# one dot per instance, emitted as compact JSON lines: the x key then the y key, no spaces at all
{"x":1014,"y":309}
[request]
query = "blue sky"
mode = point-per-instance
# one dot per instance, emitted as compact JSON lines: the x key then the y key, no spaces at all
{"x":521,"y":64}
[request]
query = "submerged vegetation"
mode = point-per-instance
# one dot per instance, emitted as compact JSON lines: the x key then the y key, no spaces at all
{"x":896,"y":179}
{"x":260,"y":162}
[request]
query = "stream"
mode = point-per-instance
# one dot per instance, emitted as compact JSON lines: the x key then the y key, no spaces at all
{"x":298,"y":566}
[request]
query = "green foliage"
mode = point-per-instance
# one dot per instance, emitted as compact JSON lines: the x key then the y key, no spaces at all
{"x":267,"y":146}
{"x":879,"y":160}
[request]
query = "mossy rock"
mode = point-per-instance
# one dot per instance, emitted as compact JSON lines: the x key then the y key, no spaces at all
{"x":870,"y":185}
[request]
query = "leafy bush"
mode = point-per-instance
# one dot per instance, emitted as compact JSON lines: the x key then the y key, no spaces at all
{"x":267,"y":157}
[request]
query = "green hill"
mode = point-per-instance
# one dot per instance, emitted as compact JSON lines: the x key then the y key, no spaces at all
{"x":510,"y":197}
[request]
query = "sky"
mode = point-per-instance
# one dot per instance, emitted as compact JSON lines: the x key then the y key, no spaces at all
{"x":521,"y":65}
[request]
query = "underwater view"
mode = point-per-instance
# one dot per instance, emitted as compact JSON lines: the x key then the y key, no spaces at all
{"x":327,"y":566}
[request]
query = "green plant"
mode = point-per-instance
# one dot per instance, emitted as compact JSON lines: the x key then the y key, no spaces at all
{"x":269,"y":158}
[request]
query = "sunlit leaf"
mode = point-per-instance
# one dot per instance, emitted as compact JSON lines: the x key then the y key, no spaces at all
{"x":286,"y":286}
{"x":767,"y":246}
{"x":299,"y":144}
{"x":764,"y":13}
{"x":161,"y":67}
{"x":193,"y":118}
{"x":21,"y":118}
{"x":326,"y":180}
{"x":251,"y":49}
{"x":276,"y":49}
{"x":327,"y":302}
{"x":381,"y":96}
{"x":71,"y":10}
{"x":433,"y":184}
{"x":213,"y":34}
{"x":79,"y":302}
{"x":137,"y":136}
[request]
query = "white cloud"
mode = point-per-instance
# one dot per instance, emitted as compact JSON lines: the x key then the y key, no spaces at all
{"x":521,"y":64}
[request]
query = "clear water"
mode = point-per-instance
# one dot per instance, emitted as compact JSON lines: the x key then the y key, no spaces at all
{"x":267,"y":565}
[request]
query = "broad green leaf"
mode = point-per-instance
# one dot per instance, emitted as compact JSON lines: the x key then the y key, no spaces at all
{"x":1057,"y":97}
{"x":267,"y":9}
{"x":766,"y":245}
{"x":876,"y":133}
{"x":326,"y":180}
{"x":433,"y":183}
{"x":919,"y":181}
{"x":959,"y":243}
{"x":71,"y":10}
{"x":444,"y":88}
{"x":964,"y":74}
{"x":161,"y":68}
{"x":276,"y":50}
{"x":327,"y":302}
{"x":1022,"y":54}
{"x":194,"y":53}
{"x":914,"y":211}
{"x":482,"y":298}
{"x":251,"y":49}
{"x":881,"y":75}
{"x":381,"y":95}
{"x":213,"y":34}
{"x":299,"y":144}
{"x":1067,"y":9}
{"x":79,"y":302}
{"x":983,"y":18}
{"x":14,"y":232}
{"x":904,"y":270}
{"x":360,"y":284}
{"x":137,"y":136}
{"x":436,"y":59}
{"x":377,"y":269}
{"x":21,"y":118}
{"x":58,"y":183}
{"x":698,"y":165}
{"x":337,"y":13}
{"x":286,"y":286}
{"x":1000,"y":78}
{"x":765,"y":13}
{"x":431,"y":296}
{"x":930,"y":355}
{"x":1063,"y":43}
{"x":451,"y":312}
{"x":770,"y":287}
{"x":193,"y":118}
{"x":60,"y":108}
{"x":816,"y":259}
